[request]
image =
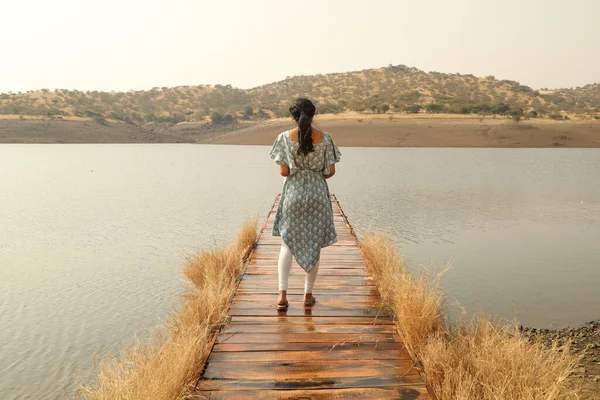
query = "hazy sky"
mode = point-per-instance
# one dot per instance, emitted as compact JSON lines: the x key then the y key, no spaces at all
{"x":134,"y":44}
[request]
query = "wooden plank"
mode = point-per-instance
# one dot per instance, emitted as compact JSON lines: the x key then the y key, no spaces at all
{"x":346,"y":279}
{"x":325,"y":258}
{"x":311,"y":369}
{"x":346,"y":264}
{"x":307,"y":338}
{"x":284,"y":319}
{"x":280,"y":382}
{"x":296,"y":297}
{"x":332,"y":304}
{"x":344,"y":347}
{"x":411,"y":392}
{"x":319,"y":291}
{"x":315,"y":312}
{"x":307,"y":328}
{"x":299,"y":272}
{"x":326,"y":281}
{"x":252,"y":347}
{"x":359,"y":353}
{"x":321,"y":285}
{"x":315,"y":384}
{"x":324,"y":302}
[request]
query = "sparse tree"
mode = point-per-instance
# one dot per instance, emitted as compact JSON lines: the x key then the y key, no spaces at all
{"x":177,"y":117}
{"x":434,"y":108}
{"x":413,"y":109}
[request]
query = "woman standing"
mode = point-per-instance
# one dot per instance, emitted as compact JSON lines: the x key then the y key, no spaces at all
{"x":304,"y":218}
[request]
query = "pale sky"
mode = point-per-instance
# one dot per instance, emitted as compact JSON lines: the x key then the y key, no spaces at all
{"x":134,"y":44}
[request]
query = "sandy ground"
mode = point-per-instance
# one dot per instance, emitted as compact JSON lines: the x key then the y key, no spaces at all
{"x":431,"y":133}
{"x":355,"y":131}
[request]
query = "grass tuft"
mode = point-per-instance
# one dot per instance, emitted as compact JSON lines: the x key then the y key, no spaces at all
{"x":476,"y":358}
{"x":167,"y":367}
{"x":417,"y":302}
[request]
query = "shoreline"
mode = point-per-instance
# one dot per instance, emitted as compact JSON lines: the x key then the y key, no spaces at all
{"x":347,"y":131}
{"x":584,"y":338}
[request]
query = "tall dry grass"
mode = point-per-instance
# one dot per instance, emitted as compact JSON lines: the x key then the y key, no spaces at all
{"x":167,"y":367}
{"x":473,"y":359}
{"x":417,"y":302}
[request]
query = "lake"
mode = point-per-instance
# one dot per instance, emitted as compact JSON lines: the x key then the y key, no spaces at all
{"x":93,"y":237}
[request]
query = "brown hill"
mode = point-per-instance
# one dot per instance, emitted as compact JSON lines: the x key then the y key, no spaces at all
{"x":391,"y":89}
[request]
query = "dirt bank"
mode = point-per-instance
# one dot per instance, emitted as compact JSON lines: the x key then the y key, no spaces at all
{"x":62,"y":131}
{"x":430,"y":132}
{"x":355,"y":131}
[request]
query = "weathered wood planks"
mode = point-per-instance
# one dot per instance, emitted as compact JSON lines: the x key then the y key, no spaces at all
{"x":344,"y":347}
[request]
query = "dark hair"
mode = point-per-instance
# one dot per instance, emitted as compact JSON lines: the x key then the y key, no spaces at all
{"x":303,"y":111}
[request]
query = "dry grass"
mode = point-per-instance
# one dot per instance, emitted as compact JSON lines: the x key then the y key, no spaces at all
{"x":485,"y":360}
{"x":477,"y":359}
{"x":167,"y":368}
{"x":417,"y":302}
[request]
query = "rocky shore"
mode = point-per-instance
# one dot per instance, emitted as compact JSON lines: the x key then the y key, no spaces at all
{"x":584,"y":340}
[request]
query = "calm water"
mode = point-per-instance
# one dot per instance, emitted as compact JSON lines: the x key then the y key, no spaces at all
{"x":92,"y":237}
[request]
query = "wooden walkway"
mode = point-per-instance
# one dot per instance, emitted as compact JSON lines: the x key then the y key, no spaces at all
{"x":344,"y":347}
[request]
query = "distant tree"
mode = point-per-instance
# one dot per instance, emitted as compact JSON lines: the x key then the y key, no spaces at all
{"x":100,"y":120}
{"x":260,"y":114}
{"x":221,"y":119}
{"x":359,"y":108}
{"x":216,"y":118}
{"x":500,"y":109}
{"x":533,"y":114}
{"x":434,"y":108}
{"x":328,"y":108}
{"x":517,"y":114}
{"x":248,"y":111}
{"x":413,"y":109}
{"x":177,"y":117}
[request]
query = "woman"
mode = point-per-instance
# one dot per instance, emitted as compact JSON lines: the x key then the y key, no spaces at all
{"x":304,"y":218}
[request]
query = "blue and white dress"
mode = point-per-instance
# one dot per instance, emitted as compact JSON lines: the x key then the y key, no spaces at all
{"x":304,"y":217}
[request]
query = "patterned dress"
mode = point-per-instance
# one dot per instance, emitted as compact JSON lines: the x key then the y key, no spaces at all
{"x":304,"y":217}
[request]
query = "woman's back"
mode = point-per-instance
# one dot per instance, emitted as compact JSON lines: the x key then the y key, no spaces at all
{"x":324,"y":154}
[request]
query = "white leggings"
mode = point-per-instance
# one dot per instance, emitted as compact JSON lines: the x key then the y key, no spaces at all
{"x":285,"y":265}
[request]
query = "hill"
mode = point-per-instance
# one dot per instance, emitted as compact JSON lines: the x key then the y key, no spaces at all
{"x":391,"y":89}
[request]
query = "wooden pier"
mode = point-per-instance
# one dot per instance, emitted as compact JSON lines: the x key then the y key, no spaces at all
{"x":344,"y":347}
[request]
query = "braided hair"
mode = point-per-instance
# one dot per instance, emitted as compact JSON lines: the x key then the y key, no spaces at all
{"x":303,"y":111}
